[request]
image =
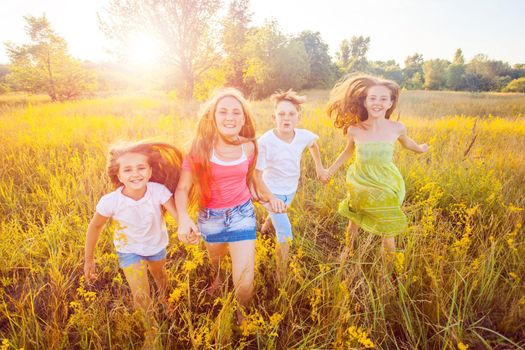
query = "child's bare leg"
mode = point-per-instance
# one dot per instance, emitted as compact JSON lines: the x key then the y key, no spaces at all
{"x":158,"y":271}
{"x":137,"y":277}
{"x":243,"y":271}
{"x":216,"y":251}
{"x":388,"y":250}
{"x":350,"y":237}
{"x":283,"y":230}
{"x":281,"y":256}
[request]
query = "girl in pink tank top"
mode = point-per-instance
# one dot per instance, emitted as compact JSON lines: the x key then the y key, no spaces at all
{"x":220,"y":166}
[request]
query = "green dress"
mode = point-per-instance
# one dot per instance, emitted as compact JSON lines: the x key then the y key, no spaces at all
{"x":375,"y":190}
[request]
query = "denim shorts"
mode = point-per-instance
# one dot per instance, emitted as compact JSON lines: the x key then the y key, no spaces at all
{"x":126,"y":259}
{"x":228,"y":224}
{"x":280,"y":221}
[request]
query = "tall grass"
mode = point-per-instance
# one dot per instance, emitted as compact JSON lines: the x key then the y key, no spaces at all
{"x":459,"y":270}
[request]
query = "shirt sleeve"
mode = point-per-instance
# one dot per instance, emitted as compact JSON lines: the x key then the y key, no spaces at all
{"x":310,"y":138}
{"x":162,"y":193}
{"x":106,"y":206}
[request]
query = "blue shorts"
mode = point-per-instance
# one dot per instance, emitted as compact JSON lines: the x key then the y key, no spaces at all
{"x":126,"y":259}
{"x":280,"y":221}
{"x":228,"y":224}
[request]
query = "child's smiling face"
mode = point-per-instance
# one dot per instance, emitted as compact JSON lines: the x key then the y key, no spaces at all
{"x":378,"y":101}
{"x":134,"y":171}
{"x":229,"y":117}
{"x":286,"y":117}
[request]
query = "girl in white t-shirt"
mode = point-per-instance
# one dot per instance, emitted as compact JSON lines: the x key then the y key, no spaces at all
{"x":279,"y":164}
{"x":145,"y":174}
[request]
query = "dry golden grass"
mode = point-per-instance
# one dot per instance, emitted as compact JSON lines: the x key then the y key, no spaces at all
{"x":460,"y":271}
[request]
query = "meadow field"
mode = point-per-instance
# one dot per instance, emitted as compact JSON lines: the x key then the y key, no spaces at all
{"x":460,"y":271}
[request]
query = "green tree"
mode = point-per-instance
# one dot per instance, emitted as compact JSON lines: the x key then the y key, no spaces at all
{"x":185,"y":26}
{"x":235,"y":28}
{"x":455,"y":74}
{"x":483,"y":74}
{"x":517,"y":85}
{"x":321,"y":70}
{"x":359,"y":46}
{"x":343,"y":55}
{"x":387,"y":69}
{"x":274,"y":61}
{"x":435,"y":74}
{"x":45,"y":66}
{"x":458,"y":57}
{"x":413,"y":72}
{"x":4,"y":70}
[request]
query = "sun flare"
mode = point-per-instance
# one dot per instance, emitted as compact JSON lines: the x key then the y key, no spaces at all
{"x":144,"y":49}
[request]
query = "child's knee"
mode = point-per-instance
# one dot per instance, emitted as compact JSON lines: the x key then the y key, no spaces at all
{"x":245,"y":285}
{"x":245,"y":278}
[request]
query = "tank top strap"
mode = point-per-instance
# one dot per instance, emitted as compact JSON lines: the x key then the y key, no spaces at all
{"x":216,"y":160}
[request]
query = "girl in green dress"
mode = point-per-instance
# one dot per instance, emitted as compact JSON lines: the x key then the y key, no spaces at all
{"x":362,"y":106}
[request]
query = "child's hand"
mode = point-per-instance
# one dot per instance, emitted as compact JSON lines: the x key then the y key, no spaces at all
{"x":323,"y":175}
{"x":89,"y":270}
{"x":277,"y":205}
{"x":188,"y":232}
{"x":423,"y":148}
{"x":193,"y":237}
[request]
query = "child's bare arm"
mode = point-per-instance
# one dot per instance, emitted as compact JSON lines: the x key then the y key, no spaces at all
{"x":322,"y":173}
{"x":410,"y":144}
{"x":93,"y":232}
{"x":170,"y":207}
{"x":276,"y":204}
{"x":186,"y":224}
{"x":343,"y":156}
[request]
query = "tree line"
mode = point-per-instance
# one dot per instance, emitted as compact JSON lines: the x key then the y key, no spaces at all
{"x":204,"y":51}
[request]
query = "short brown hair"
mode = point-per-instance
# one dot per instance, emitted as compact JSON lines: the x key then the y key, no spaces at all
{"x":290,"y":96}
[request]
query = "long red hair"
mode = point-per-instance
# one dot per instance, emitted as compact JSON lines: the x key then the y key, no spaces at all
{"x":347,"y":100}
{"x":207,"y":132}
{"x":164,"y":159}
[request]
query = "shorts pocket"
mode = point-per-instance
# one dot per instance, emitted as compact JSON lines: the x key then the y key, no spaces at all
{"x":246,"y":210}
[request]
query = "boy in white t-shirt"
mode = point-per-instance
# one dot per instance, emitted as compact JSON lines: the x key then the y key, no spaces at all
{"x":279,"y":164}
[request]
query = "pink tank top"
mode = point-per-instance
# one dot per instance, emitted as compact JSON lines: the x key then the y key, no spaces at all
{"x":228,"y":186}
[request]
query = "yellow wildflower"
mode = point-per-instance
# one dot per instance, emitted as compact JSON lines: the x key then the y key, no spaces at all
{"x":462,"y":346}
{"x":358,"y":334}
{"x":399,"y":262}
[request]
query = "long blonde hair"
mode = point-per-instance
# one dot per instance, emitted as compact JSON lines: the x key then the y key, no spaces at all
{"x":207,"y":132}
{"x":347,"y":100}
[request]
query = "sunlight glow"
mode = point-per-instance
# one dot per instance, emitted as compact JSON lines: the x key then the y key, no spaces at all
{"x":144,"y":49}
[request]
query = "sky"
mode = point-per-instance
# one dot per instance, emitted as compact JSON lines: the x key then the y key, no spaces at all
{"x":397,"y":28}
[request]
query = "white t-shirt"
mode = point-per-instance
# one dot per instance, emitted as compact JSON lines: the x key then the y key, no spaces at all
{"x":280,"y":161}
{"x":139,"y":225}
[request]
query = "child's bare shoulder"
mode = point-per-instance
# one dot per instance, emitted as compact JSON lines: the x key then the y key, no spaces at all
{"x":397,"y":125}
{"x":249,"y":147}
{"x":354,"y":129}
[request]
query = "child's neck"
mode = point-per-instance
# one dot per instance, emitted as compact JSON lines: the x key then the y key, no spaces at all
{"x":374,"y":124}
{"x":133,"y":193}
{"x":220,"y":142}
{"x":284,"y":136}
